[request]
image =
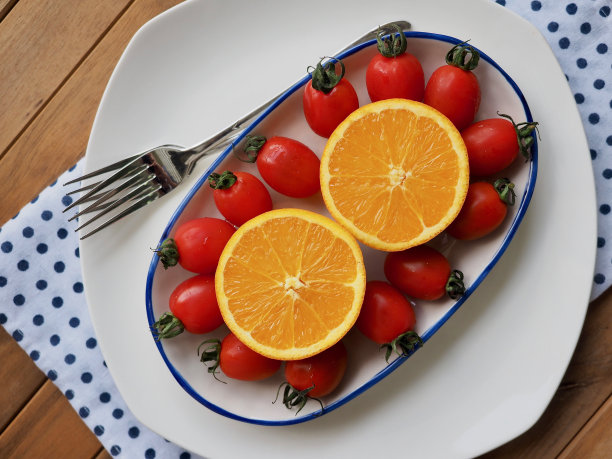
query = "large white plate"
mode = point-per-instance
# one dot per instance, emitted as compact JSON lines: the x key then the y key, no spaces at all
{"x":488,"y":374}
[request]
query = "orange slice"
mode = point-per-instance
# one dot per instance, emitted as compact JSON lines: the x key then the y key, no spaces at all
{"x":395,"y":173}
{"x":290,"y":283}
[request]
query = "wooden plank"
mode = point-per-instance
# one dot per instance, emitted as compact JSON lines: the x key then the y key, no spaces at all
{"x":20,"y":378}
{"x":103,"y":454}
{"x":5,"y":7}
{"x":595,"y":439}
{"x":585,"y":387}
{"x":57,"y":137}
{"x":48,"y":427}
{"x":41,"y":42}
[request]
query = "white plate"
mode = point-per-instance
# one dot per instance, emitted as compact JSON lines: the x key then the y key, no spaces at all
{"x":252,"y":402}
{"x":489,"y":373}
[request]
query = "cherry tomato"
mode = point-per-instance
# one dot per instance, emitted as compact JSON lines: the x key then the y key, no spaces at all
{"x":453,"y":89}
{"x":420,"y":272}
{"x":482,"y":212}
{"x":493,"y":144}
{"x":321,"y":372}
{"x":200,"y":242}
{"x":393,"y":72}
{"x":288,"y":166}
{"x":239,"y":196}
{"x":328,"y":99}
{"x":193,"y":307}
{"x":385,"y":313}
{"x":236,"y":360}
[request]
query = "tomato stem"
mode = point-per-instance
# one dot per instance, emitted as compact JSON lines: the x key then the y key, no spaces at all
{"x":505,"y":189}
{"x":252,"y":145}
{"x":454,"y":284}
{"x":392,"y":45}
{"x":168,"y":253}
{"x":524,"y":134}
{"x":324,"y":76}
{"x":293,"y":397}
{"x":211,"y":353}
{"x":458,"y":54}
{"x":167,"y":326}
{"x":403,"y":345}
{"x":222,"y":181}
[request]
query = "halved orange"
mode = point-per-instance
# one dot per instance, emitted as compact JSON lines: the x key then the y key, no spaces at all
{"x":395,"y":173}
{"x":290,"y":283}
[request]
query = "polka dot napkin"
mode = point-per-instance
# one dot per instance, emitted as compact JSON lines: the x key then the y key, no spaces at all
{"x":42,"y":304}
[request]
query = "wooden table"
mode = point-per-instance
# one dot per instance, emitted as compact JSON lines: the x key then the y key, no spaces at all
{"x":56,"y":57}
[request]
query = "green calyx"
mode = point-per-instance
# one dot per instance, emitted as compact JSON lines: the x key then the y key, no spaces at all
{"x":505,"y":189}
{"x":524,"y":135}
{"x":168,"y":253}
{"x":296,"y":398}
{"x":324,"y":76}
{"x":167,"y":326}
{"x":252,"y":145}
{"x":454,"y":284}
{"x":391,"y":45}
{"x":222,"y":181}
{"x":403,"y":345}
{"x":211,"y":354}
{"x":458,"y":56}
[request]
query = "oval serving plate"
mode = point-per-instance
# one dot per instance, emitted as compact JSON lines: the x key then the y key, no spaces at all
{"x":252,"y":401}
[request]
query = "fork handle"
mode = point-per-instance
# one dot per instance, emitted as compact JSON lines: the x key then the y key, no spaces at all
{"x":225,"y":137}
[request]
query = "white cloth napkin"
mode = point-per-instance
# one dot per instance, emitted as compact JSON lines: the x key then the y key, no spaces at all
{"x":42,"y":305}
{"x":41,"y":288}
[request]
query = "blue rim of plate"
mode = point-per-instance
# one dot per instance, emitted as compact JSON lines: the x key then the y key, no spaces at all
{"x":524,"y":203}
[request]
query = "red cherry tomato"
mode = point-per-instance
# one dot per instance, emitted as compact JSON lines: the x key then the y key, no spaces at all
{"x":288,"y":166}
{"x":239,"y":196}
{"x":482,"y":212}
{"x":200,"y":242}
{"x":493,"y":144}
{"x":393,"y":72}
{"x":194,"y":303}
{"x":385,"y":313}
{"x":420,"y":272}
{"x":238,"y":361}
{"x":453,"y":89}
{"x":323,"y":372}
{"x":328,"y":99}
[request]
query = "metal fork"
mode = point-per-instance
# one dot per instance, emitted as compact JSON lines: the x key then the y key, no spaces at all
{"x":142,"y":178}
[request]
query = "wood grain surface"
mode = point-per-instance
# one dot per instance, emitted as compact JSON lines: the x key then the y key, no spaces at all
{"x":57,"y":57}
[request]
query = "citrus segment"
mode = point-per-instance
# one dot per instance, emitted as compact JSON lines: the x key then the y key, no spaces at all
{"x":290,"y":283}
{"x":395,"y":173}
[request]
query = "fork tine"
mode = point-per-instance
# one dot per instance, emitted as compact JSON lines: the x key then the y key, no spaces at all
{"x":136,"y":180}
{"x":109,"y":168}
{"x":134,"y":194}
{"x":79,"y":190}
{"x":129,"y":170}
{"x":151,"y":195}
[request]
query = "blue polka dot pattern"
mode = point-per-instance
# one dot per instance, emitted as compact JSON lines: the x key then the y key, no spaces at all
{"x":571,"y":8}
{"x":43,"y":307}
{"x":150,"y":453}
